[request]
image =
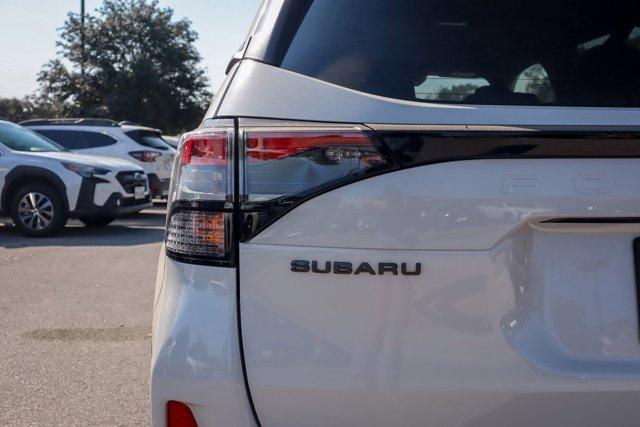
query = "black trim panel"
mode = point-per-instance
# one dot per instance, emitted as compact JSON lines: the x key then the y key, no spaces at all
{"x":415,"y":148}
{"x":156,"y":185}
{"x":620,"y":220}
{"x":636,"y":260}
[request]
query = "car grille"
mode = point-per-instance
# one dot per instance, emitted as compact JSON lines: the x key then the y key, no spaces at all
{"x":132,"y":179}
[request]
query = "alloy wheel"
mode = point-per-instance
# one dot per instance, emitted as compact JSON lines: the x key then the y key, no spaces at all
{"x":35,"y":210}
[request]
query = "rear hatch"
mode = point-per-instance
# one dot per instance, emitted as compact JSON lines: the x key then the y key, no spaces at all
{"x":484,"y":273}
{"x":152,"y":138}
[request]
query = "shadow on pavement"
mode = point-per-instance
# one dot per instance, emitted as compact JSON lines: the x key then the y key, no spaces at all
{"x":145,"y":227}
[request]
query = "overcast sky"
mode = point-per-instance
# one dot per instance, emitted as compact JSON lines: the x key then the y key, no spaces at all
{"x":28,"y":35}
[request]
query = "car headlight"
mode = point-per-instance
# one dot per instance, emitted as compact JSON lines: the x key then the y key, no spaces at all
{"x":85,"y":171}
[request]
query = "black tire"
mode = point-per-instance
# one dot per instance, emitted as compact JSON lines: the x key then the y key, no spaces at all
{"x":96,"y":221}
{"x":46,"y":219}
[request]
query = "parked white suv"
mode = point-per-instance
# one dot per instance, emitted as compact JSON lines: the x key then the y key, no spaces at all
{"x":410,"y":213}
{"x":142,"y":145}
{"x":42,"y":185}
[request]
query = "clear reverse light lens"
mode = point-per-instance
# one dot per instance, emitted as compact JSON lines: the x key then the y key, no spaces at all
{"x":197,"y":234}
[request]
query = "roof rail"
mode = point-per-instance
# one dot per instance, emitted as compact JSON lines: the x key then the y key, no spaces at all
{"x":70,"y":122}
{"x":129,"y":123}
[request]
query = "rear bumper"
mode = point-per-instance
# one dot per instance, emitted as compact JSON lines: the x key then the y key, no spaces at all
{"x":159,"y":187}
{"x":196,"y":355}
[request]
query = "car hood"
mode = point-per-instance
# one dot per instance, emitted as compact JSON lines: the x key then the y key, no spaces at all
{"x":89,"y":160}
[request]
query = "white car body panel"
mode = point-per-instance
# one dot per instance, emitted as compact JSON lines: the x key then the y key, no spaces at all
{"x":196,"y":358}
{"x":511,"y":322}
{"x":466,"y":205}
{"x":256,"y":87}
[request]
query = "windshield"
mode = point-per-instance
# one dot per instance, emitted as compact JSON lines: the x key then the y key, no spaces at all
{"x":18,"y":138}
{"x":499,"y":52}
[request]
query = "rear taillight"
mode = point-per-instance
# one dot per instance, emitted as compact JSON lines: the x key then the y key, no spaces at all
{"x":285,"y":162}
{"x":203,"y":169}
{"x":205,"y":149}
{"x":279,"y":166}
{"x":145,"y":156}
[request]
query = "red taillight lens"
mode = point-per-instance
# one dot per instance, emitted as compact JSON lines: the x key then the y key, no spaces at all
{"x":179,"y":415}
{"x":145,"y":156}
{"x":214,"y":204}
{"x":203,"y":170}
{"x":281,"y":162}
{"x":271,"y":145}
{"x":205,"y":149}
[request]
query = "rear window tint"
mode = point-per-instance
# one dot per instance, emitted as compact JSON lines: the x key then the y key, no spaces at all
{"x":500,"y":52}
{"x":96,"y":140}
{"x":67,"y":138}
{"x":148,"y":139}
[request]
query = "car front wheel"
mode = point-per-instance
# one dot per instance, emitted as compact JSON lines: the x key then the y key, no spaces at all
{"x":38,"y":210}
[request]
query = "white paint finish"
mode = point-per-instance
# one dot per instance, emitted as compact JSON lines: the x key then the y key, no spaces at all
{"x":576,"y":309}
{"x":260,"y":90}
{"x":196,"y":356}
{"x":512,"y":322}
{"x":468,"y":205}
{"x":540,"y":330}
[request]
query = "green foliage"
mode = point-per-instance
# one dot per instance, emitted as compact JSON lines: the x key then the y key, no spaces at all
{"x":139,"y":65}
{"x":457,"y":92}
{"x":16,"y":110}
{"x":538,"y":83}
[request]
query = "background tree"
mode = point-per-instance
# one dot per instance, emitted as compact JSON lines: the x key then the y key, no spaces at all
{"x":537,"y":82}
{"x":456,"y":92}
{"x":29,"y":107}
{"x":139,"y":63}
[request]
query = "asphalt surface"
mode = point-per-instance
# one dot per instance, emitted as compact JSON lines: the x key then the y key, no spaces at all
{"x":75,"y":323}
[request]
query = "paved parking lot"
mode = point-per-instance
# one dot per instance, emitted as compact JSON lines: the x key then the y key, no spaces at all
{"x":75,"y":323}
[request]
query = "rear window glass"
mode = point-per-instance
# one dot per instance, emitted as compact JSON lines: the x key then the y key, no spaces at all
{"x":500,"y":52}
{"x":148,"y":139}
{"x":66,"y":138}
{"x":95,"y":139}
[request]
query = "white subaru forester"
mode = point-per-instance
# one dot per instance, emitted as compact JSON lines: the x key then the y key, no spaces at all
{"x":410,"y":213}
